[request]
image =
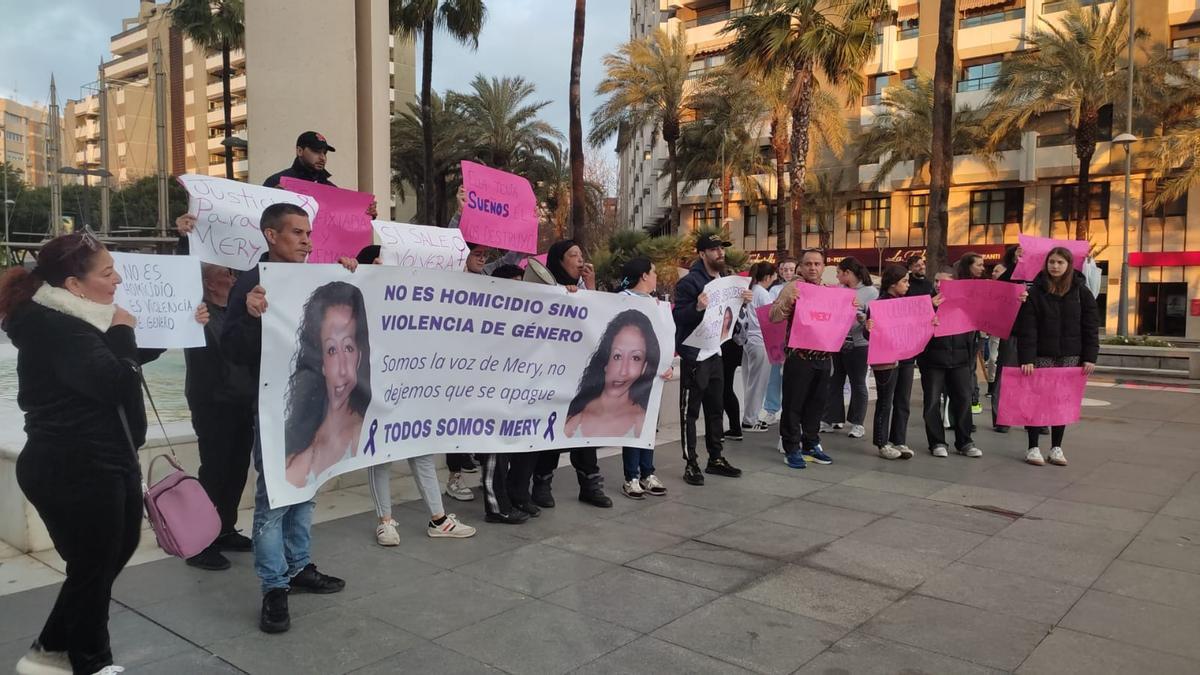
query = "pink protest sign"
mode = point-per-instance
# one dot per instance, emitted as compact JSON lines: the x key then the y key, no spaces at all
{"x":978,"y":304}
{"x":1034,"y":250}
{"x":901,"y":328}
{"x":500,"y":210}
{"x":822,"y":318}
{"x":342,"y":227}
{"x":774,"y":335}
{"x":1048,"y":397}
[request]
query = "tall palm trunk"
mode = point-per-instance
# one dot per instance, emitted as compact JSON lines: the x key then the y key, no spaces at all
{"x":941,"y":162}
{"x":779,"y":146}
{"x":670,"y":134}
{"x":227,"y":105}
{"x":576,"y":132}
{"x":427,"y":120}
{"x":438,"y":215}
{"x":801,"y":119}
{"x":726,"y":188}
{"x":1085,"y":148}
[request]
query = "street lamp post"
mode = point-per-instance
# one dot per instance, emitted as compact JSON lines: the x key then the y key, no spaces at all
{"x":882,"y":238}
{"x":1126,"y":140}
{"x":7,"y":201}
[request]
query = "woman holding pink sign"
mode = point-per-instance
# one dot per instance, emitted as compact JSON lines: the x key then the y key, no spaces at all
{"x":1058,"y":327}
{"x":893,"y":381}
{"x":757,"y":367}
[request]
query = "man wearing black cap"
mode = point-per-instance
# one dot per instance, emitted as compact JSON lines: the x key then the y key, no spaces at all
{"x":311,"y":152}
{"x":701,"y":382}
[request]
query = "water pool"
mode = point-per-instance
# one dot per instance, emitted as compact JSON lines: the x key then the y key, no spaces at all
{"x":164,"y":375}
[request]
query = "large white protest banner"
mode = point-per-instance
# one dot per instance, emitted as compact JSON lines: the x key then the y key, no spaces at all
{"x":724,"y":305}
{"x":388,"y":362}
{"x":227,"y":214}
{"x":405,"y":245}
{"x":162,"y":292}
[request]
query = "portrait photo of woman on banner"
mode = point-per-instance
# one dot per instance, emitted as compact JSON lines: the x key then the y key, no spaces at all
{"x":614,"y":391}
{"x":330,"y":386}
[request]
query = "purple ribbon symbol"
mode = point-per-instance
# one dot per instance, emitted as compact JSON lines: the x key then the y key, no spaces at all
{"x":549,"y":433}
{"x":370,"y":449}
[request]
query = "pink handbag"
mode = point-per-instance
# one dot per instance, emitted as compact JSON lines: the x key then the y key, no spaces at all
{"x":184,"y":520}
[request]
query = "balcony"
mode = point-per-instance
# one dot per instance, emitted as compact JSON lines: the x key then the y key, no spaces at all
{"x":236,"y":85}
{"x":1061,"y":5}
{"x":217,"y":115}
{"x":129,"y":40}
{"x":909,"y":33}
{"x":237,"y":58}
{"x":1190,"y":52}
{"x":992,"y":18}
{"x":240,"y":168}
{"x":128,"y":67}
{"x":720,"y":17}
{"x":979,"y":84}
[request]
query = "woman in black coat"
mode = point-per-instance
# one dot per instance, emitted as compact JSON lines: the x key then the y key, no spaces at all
{"x":1058,"y":327}
{"x":78,"y":369}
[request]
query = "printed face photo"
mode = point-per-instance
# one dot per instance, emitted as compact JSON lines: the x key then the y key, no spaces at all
{"x":614,"y":391}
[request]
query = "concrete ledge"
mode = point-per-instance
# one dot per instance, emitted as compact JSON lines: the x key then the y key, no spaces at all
{"x":1166,"y":361}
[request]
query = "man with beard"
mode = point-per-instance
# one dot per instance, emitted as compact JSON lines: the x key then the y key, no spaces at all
{"x":701,"y":382}
{"x":312,"y":150}
{"x":918,"y":283}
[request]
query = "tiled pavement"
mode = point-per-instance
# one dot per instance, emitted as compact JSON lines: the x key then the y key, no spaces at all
{"x":865,"y":566}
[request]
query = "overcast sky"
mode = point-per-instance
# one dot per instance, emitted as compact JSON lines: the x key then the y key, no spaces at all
{"x":531,"y":38}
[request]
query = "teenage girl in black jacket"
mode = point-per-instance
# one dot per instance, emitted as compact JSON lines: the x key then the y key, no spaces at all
{"x":1058,"y":327}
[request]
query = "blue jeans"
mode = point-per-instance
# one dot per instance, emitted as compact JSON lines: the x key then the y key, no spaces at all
{"x":639,"y":462}
{"x":282,"y":536}
{"x":774,"y":398}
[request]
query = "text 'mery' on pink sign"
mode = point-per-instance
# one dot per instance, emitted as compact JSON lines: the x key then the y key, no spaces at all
{"x":500,"y":209}
{"x":822,"y":318}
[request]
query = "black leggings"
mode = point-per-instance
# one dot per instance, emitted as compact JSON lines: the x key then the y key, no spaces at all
{"x":93,"y":512}
{"x":1056,"y":436}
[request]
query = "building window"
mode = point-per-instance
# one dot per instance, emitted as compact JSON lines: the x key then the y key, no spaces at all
{"x":702,"y":217}
{"x":918,"y":212}
{"x":1175,"y":207}
{"x":875,"y":86}
{"x":1164,"y":227}
{"x":996,"y":215}
{"x":869,"y":213}
{"x":992,"y":13}
{"x":705,"y":63}
{"x":980,"y":74}
{"x":749,"y":223}
{"x":1063,"y":197}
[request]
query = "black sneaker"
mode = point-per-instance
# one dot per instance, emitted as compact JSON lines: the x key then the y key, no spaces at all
{"x":309,"y":580}
{"x":514,"y":517}
{"x":234,"y":541}
{"x":541,"y":494}
{"x":720,"y":466}
{"x":529,"y":508}
{"x":209,"y":559}
{"x":733,"y":435}
{"x":1001,"y":428}
{"x":470,"y":466}
{"x":274,"y":617}
{"x":692,"y":475}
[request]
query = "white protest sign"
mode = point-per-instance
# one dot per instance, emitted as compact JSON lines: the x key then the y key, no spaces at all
{"x":388,"y":363}
{"x":162,"y":292}
{"x":724,"y":304}
{"x":227,"y":214}
{"x":435,"y":248}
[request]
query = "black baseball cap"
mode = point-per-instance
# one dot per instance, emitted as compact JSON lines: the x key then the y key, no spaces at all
{"x":711,"y":241}
{"x":313,"y":141}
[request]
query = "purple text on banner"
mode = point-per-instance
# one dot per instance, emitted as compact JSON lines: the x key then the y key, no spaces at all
{"x":500,"y":210}
{"x":978,"y":304}
{"x":1048,"y":397}
{"x":774,"y":335}
{"x":1035,"y":249}
{"x":342,"y":227}
{"x":822,"y":317}
{"x":902,"y":327}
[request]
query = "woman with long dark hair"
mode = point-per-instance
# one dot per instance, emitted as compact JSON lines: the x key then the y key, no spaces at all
{"x":614,"y":391}
{"x":971,"y":266}
{"x":893,"y":381}
{"x":851,"y":362}
{"x":330,"y":386}
{"x":1058,"y":327}
{"x":79,"y":384}
{"x":757,"y":372}
{"x":565,"y":262}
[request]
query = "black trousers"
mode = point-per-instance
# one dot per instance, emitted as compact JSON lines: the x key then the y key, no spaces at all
{"x":503,"y":476}
{"x":455,"y":461}
{"x":520,"y":471}
{"x":225,"y":437}
{"x":805,"y":392}
{"x":702,"y":384}
{"x":848,"y":364}
{"x":1007,"y":357}
{"x":955,"y":383}
{"x":93,"y":512}
{"x":731,"y":360}
{"x":541,"y":465}
{"x":893,"y":388}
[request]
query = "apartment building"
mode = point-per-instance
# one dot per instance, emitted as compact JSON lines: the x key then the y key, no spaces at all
{"x":23,"y":145}
{"x":1032,"y":189}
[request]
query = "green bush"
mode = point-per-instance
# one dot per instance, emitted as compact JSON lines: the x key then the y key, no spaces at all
{"x":1135,"y":341}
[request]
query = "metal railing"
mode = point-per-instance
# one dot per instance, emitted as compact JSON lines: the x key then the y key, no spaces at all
{"x":978,"y":84}
{"x":994,"y":17}
{"x":1190,"y":52}
{"x":872,"y":99}
{"x":910,"y":33}
{"x":710,"y":19}
{"x":1061,"y":5}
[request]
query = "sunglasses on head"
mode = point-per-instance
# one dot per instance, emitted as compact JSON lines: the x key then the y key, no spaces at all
{"x":87,"y":238}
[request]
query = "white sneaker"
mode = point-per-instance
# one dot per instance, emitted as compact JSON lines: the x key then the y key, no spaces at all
{"x":971,"y":451}
{"x":633,"y":489}
{"x":450,"y":529}
{"x":109,"y":670}
{"x":769,"y":418}
{"x":1057,"y":458}
{"x":889,"y":451}
{"x":653,"y":486}
{"x":856,"y":431}
{"x":756,"y":428}
{"x":38,"y":661}
{"x":780,"y":446}
{"x":386,"y":534}
{"x":826,"y":427}
{"x":940,"y":451}
{"x":1034,"y":457}
{"x":905,"y":451}
{"x":456,"y":488}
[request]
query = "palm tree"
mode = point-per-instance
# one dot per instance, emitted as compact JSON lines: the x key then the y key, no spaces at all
{"x":644,"y":83}
{"x":1076,"y":63}
{"x":903,"y":131}
{"x":452,"y":144}
{"x":941,"y":148}
{"x":507,"y":132}
{"x":824,"y":194}
{"x":215,"y":25}
{"x":807,"y":39}
{"x":463,"y":19}
{"x":553,"y":185}
{"x":578,"y":198}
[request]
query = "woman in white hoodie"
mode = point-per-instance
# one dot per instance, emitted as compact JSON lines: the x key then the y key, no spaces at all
{"x":757,"y":367}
